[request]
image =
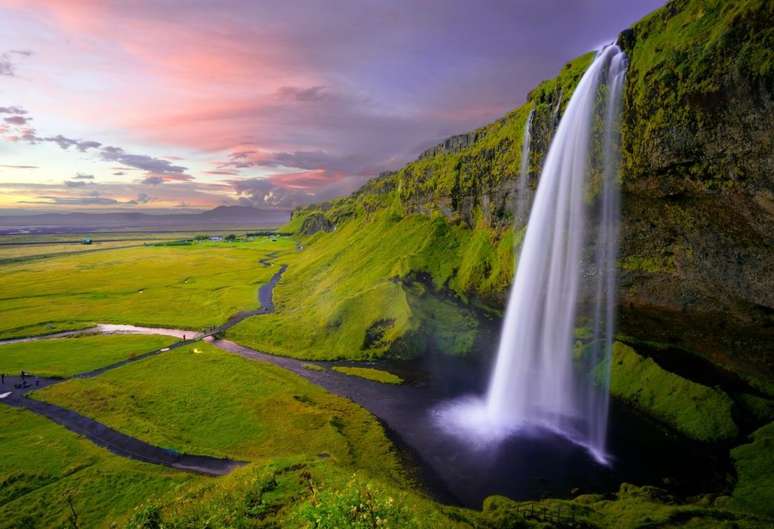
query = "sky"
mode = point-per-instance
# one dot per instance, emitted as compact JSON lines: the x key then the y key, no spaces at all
{"x":176,"y":106}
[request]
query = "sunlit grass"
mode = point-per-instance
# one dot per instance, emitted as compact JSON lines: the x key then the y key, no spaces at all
{"x":370,"y":373}
{"x":42,"y":464}
{"x":195,"y":286}
{"x":63,"y":357}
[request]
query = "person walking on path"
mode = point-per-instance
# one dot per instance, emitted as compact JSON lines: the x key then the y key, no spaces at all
{"x":2,"y":379}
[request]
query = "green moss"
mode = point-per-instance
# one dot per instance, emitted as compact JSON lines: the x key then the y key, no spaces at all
{"x":650,"y":264}
{"x":701,"y":413}
{"x":632,"y":507}
{"x":313,"y":367}
{"x":759,"y":408}
{"x":377,"y":375}
{"x":754,"y":463}
{"x":689,"y":62}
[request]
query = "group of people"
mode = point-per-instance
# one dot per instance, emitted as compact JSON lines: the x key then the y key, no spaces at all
{"x":23,"y":375}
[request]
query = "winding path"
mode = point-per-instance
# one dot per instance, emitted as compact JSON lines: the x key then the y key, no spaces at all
{"x":117,"y":442}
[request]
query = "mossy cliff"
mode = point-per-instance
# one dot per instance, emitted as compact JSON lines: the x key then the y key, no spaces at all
{"x":698,"y":198}
{"x":697,"y":411}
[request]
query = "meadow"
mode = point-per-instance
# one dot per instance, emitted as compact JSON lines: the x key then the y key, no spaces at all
{"x":65,"y":357}
{"x":192,"y":286}
{"x":20,"y":252}
{"x":199,"y":399}
{"x":43,"y":465}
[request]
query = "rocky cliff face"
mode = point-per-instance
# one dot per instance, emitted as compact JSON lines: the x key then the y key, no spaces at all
{"x":696,"y":259}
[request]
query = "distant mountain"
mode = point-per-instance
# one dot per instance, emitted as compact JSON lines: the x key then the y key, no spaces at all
{"x":220,"y":217}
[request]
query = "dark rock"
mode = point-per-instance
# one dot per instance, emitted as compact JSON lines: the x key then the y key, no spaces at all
{"x":316,"y":222}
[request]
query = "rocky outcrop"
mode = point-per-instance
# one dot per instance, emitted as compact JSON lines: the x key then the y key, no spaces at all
{"x":314,"y":223}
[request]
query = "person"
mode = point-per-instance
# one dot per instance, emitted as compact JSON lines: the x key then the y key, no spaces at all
{"x":2,"y":376}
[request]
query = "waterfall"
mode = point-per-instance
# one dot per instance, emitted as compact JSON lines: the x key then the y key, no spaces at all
{"x":523,"y":192}
{"x":539,"y":380}
{"x":535,"y":380}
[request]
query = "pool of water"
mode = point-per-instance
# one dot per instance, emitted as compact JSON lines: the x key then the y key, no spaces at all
{"x":528,"y":465}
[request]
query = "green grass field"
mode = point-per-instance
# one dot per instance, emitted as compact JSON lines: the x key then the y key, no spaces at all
{"x":41,"y":464}
{"x":64,"y":357}
{"x":377,"y":375}
{"x":35,"y":250}
{"x":215,"y":403}
{"x":195,"y":286}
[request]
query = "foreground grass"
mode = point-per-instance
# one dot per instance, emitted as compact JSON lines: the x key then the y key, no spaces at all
{"x":377,"y":375}
{"x":183,"y":286}
{"x":219,"y":404}
{"x":64,"y":357}
{"x":302,"y":493}
{"x":42,"y":465}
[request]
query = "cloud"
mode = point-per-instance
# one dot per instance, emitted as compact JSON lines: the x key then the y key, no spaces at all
{"x":153,"y":180}
{"x":75,"y":183}
{"x":12,"y":110}
{"x":119,"y":173}
{"x":294,"y":189}
{"x":65,"y":143}
{"x":20,"y":166}
{"x":159,"y":170}
{"x":312,"y":93}
{"x":8,"y":63}
{"x":82,"y":176}
{"x":16,"y":120}
{"x":72,"y":201}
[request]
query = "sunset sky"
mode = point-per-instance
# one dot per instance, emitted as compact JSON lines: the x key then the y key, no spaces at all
{"x":172,"y":105}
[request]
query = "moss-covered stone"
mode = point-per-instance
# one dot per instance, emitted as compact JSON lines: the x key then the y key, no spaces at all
{"x":699,"y":412}
{"x":754,"y":463}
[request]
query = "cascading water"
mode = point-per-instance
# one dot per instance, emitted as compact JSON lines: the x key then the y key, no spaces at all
{"x":523,"y":192}
{"x":538,"y":379}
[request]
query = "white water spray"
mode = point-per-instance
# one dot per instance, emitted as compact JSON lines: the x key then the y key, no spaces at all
{"x":523,"y":197}
{"x":537,"y":381}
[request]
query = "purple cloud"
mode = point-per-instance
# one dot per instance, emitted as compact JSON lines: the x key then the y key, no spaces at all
{"x":16,"y":120}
